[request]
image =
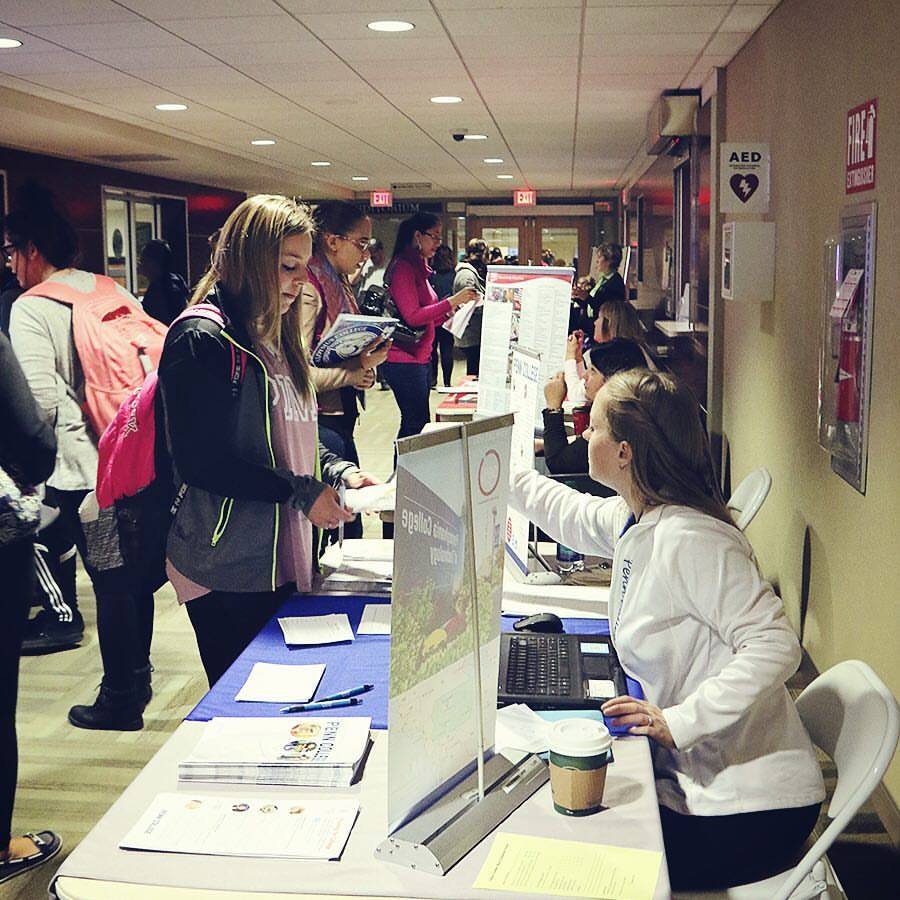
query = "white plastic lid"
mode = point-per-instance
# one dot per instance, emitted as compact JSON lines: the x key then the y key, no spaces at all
{"x":579,"y":737}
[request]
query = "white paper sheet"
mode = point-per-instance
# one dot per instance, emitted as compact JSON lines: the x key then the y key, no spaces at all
{"x":372,"y":498}
{"x":468,"y":387}
{"x":305,"y":630}
{"x":459,"y":321}
{"x":278,"y":825}
{"x":273,"y":683}
{"x":519,"y":727}
{"x":376,"y":619}
{"x":601,"y":689}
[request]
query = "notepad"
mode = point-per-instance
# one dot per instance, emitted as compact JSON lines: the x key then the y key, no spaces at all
{"x":542,"y":865}
{"x":308,"y":630}
{"x":273,"y":683}
{"x":376,"y":619}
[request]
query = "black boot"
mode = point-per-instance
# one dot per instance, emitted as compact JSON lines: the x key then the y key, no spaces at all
{"x":142,"y":683}
{"x":111,"y":711}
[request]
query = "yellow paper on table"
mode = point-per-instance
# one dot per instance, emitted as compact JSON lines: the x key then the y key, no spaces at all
{"x":538,"y":865}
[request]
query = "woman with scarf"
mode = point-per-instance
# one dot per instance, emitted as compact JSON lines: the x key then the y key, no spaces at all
{"x":341,"y":246}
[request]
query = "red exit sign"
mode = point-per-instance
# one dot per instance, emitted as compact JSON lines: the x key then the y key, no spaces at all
{"x":861,"y":124}
{"x":525,"y":198}
{"x":381,"y":198}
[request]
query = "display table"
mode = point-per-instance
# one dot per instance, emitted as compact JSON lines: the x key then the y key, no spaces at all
{"x":97,"y":869}
{"x":460,"y":405}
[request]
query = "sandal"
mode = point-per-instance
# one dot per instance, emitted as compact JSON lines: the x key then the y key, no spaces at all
{"x":48,"y":845}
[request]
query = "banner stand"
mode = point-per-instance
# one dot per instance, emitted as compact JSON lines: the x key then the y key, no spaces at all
{"x":444,"y":832}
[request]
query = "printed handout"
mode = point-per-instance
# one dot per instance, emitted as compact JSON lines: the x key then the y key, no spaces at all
{"x":273,"y":683}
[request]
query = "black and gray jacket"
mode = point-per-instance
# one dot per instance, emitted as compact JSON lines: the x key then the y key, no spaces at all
{"x":225,"y":533}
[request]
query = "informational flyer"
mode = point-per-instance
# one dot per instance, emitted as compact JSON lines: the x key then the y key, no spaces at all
{"x":526,"y":398}
{"x":432,"y":734}
{"x":276,"y":825}
{"x":524,"y":306}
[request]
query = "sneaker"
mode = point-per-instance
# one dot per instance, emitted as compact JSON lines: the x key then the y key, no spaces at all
{"x":48,"y":845}
{"x":111,"y":711}
{"x":46,"y":634}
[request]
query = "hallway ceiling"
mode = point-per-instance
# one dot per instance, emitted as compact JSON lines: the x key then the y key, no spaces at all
{"x":561,"y":88}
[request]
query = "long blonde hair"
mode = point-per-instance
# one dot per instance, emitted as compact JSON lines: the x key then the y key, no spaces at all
{"x":619,"y":319}
{"x":671,"y":461}
{"x":245,"y":263}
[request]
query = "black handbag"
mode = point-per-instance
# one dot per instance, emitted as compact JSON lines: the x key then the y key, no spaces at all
{"x":377,"y":301}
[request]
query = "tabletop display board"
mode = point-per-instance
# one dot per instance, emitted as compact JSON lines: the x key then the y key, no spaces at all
{"x":526,"y":399}
{"x":432,"y":708}
{"x":524,"y":306}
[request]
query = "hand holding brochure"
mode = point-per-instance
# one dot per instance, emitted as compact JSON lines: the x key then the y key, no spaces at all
{"x":280,"y":826}
{"x":349,"y":336}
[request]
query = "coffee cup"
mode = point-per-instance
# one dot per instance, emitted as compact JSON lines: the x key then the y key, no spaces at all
{"x":581,"y":418}
{"x":580,"y":751}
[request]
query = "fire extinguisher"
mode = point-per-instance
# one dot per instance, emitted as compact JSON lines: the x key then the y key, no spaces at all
{"x":848,"y":369}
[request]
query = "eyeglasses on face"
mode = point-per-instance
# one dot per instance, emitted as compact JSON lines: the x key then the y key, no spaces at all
{"x":363,"y":244}
{"x":432,"y":235}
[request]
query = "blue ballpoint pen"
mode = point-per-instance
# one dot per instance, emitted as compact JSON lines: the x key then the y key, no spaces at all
{"x":351,"y":692}
{"x":321,"y":704}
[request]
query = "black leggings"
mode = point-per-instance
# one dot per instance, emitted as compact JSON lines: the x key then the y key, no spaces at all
{"x":17,"y":578}
{"x":721,"y":851}
{"x":224,"y":623}
{"x":443,"y":342}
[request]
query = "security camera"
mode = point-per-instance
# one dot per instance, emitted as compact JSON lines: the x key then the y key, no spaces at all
{"x":459,"y":133}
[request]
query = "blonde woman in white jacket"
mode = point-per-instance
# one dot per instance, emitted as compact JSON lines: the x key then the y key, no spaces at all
{"x":736,"y":776}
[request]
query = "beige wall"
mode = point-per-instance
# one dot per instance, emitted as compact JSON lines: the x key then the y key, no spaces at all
{"x":792,"y":86}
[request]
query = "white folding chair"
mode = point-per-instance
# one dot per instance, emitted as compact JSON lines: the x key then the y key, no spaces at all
{"x":749,"y":496}
{"x":851,"y":715}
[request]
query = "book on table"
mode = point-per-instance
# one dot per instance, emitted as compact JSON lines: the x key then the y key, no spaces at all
{"x":289,"y":750}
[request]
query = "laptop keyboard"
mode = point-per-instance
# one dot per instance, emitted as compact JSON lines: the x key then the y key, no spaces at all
{"x":539,"y":665}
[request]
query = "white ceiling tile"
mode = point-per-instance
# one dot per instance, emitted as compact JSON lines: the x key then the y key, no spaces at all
{"x":746,"y":18}
{"x":46,"y":63}
{"x":101,"y":36}
{"x":444,"y":5}
{"x":605,"y":82}
{"x":511,"y":23}
{"x":649,"y":44}
{"x":486,"y":46}
{"x":201,"y":9}
{"x":435,"y":49}
{"x":358,"y":6}
{"x":660,"y":2}
{"x":237,"y":30}
{"x":272,"y":54}
{"x":27,"y":13}
{"x":142,"y":59}
{"x":726,"y":44}
{"x":654,"y":20}
{"x":298,"y":71}
{"x":184,"y":81}
{"x":630,"y":64}
{"x":510,"y":67}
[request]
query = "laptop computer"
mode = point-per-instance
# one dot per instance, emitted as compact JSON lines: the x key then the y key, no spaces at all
{"x":558,"y":671}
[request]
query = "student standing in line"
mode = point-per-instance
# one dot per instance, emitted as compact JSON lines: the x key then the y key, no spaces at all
{"x":241,"y":413}
{"x":343,"y":234}
{"x":442,"y":280}
{"x":737,"y":779}
{"x":167,"y":293}
{"x":471,"y":273}
{"x":408,"y":368}
{"x":43,"y":247}
{"x":27,"y":454}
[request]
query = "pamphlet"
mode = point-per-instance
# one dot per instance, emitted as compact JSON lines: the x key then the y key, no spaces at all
{"x":286,"y":750}
{"x":349,"y":336}
{"x":372,"y":498}
{"x":376,"y":619}
{"x":308,"y":630}
{"x":276,"y":826}
{"x":460,"y":319}
{"x":274,"y":683}
{"x":542,"y":865}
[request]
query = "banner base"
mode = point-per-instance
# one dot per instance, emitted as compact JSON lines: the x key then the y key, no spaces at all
{"x":441,"y":835}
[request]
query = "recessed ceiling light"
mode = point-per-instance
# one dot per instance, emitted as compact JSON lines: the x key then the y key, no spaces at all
{"x":447,"y":99}
{"x":506,"y":177}
{"x":262,"y":142}
{"x":493,"y":160}
{"x":171,"y":107}
{"x":474,"y":137}
{"x":360,"y":178}
{"x":320,"y":162}
{"x":9,"y":43}
{"x":390,"y":25}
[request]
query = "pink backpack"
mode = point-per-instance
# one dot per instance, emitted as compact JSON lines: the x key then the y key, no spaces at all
{"x":127,"y":447}
{"x":116,"y":341}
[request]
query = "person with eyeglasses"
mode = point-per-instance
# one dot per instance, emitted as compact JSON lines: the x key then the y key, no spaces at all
{"x":408,"y":368}
{"x":341,"y":245}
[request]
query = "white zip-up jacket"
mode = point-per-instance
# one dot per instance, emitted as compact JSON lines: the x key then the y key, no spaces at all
{"x":695,"y":624}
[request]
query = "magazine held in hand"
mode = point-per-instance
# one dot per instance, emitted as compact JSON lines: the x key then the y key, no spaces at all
{"x":349,"y":336}
{"x":292,"y":751}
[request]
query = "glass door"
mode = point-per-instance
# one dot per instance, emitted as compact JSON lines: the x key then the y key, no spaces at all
{"x":509,"y":235}
{"x":567,"y":238}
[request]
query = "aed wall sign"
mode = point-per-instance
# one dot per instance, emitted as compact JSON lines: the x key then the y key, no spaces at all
{"x":744,"y":180}
{"x":861,"y":147}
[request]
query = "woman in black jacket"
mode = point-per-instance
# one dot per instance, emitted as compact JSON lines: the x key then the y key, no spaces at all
{"x":27,"y":454}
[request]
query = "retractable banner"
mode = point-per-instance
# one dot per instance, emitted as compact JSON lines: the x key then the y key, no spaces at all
{"x":527,"y":307}
{"x":433,"y":707}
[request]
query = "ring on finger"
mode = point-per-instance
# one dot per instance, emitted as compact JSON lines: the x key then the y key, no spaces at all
{"x":649,"y":720}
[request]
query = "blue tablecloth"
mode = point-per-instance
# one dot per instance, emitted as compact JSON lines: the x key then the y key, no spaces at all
{"x":363,"y":661}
